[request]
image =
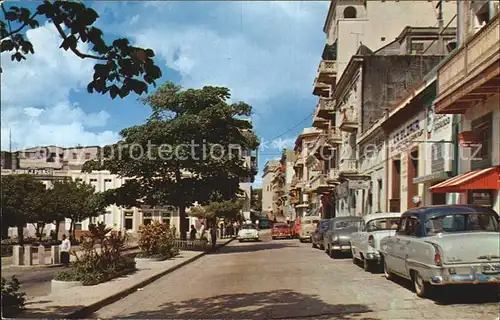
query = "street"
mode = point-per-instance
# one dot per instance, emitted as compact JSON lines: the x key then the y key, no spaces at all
{"x":287,"y":279}
{"x":35,"y":282}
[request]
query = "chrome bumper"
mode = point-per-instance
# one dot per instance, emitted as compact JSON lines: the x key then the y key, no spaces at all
{"x":341,"y":247}
{"x":462,"y":274}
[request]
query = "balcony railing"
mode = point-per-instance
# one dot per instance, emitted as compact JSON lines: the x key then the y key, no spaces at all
{"x":348,"y":166}
{"x":325,"y":108}
{"x":333,"y":174}
{"x":471,"y":59}
{"x":334,"y":136}
{"x":348,"y":120}
{"x":327,"y":71}
{"x":319,"y":122}
{"x":321,"y":89}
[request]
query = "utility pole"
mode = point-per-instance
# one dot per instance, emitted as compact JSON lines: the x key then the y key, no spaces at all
{"x":441,"y":28}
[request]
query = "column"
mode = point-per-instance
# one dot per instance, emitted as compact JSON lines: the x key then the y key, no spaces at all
{"x":28,"y":256}
{"x":41,"y":255}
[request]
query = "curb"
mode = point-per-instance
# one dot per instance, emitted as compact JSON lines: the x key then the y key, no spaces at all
{"x":88,"y":310}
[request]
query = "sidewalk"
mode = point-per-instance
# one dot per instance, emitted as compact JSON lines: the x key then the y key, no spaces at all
{"x":79,"y":302}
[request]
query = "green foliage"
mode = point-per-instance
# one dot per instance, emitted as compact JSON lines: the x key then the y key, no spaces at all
{"x":124,"y":68}
{"x":192,"y":117}
{"x":12,"y":299}
{"x":94,"y":266}
{"x":256,"y":200}
{"x":156,"y":240}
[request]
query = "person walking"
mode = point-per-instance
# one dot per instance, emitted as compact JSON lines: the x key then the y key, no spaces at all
{"x":202,"y":231}
{"x":213,"y":235}
{"x":222,"y":230}
{"x":257,"y":224}
{"x":192,"y":233}
{"x":65,"y":247}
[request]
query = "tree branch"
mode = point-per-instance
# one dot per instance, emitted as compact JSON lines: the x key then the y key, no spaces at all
{"x":75,"y":50}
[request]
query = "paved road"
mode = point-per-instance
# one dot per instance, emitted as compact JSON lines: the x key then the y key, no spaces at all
{"x":286,"y":279}
{"x":35,"y":282}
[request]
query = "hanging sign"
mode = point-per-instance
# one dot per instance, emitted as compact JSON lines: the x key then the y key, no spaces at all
{"x":466,"y":139}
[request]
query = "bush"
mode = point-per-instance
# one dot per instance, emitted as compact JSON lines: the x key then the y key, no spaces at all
{"x":95,"y":267}
{"x":12,"y":299}
{"x":156,"y":240}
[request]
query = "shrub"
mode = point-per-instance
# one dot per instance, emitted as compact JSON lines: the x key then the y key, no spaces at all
{"x":156,"y":240}
{"x":94,"y":267}
{"x":12,"y":299}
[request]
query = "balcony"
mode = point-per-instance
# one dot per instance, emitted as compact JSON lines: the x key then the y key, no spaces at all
{"x":472,"y":73}
{"x":348,"y":120}
{"x":348,"y":166}
{"x":333,"y":175}
{"x":325,"y":108}
{"x":321,"y":89}
{"x":327,"y":71}
{"x":319,"y":122}
{"x":333,"y":136}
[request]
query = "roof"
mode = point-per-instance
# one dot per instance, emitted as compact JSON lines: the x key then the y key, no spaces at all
{"x":447,"y":209}
{"x":381,"y":215}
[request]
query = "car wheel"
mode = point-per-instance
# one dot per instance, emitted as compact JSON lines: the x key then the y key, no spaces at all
{"x":301,"y":240}
{"x":388,"y":274}
{"x":321,"y":247}
{"x":241,"y":240}
{"x":354,"y":259}
{"x":332,"y":253}
{"x":422,"y":288}
{"x":274,"y":238}
{"x":313,"y":244}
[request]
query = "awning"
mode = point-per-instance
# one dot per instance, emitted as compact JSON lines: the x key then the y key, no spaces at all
{"x":483,"y":179}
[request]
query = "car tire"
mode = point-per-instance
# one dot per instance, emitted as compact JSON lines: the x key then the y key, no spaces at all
{"x":354,"y":259}
{"x":387,"y":273}
{"x":313,"y":244}
{"x":422,"y":288}
{"x":332,"y":253}
{"x":321,"y":246}
{"x":301,"y":240}
{"x":274,"y":238}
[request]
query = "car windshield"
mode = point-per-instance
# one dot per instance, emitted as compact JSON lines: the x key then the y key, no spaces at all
{"x":346,"y":224}
{"x":382,"y":224}
{"x":311,"y":221}
{"x":323,"y":225}
{"x":281,"y":226}
{"x":248,"y":226}
{"x":473,"y":222}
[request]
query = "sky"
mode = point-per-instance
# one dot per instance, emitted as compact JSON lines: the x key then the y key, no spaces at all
{"x":266,"y":53}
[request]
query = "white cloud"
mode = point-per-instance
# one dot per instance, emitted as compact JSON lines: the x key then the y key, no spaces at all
{"x":264,"y":60}
{"x":35,"y":97}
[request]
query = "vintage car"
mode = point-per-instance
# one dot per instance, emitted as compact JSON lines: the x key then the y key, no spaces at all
{"x":319,"y":232}
{"x":365,"y":242}
{"x":281,"y":231}
{"x":337,"y":238}
{"x":248,"y":231}
{"x":442,"y":245}
{"x":307,"y":227}
{"x":295,"y":227}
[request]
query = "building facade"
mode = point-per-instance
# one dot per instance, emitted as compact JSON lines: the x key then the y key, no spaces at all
{"x":267,"y":186}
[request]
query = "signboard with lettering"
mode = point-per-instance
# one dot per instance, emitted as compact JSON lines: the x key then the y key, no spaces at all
{"x":436,"y":122}
{"x":35,"y":171}
{"x":401,"y":138}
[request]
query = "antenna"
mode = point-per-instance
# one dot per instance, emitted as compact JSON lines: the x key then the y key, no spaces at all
{"x":10,"y":140}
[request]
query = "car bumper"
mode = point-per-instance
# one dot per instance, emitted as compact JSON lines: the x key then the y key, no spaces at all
{"x":374,"y":256}
{"x":248,"y":237}
{"x":342,"y":247}
{"x":462,"y":274}
{"x":281,"y":235}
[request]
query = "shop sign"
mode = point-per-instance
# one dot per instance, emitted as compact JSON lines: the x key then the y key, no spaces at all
{"x":359,"y":184}
{"x":407,"y":134}
{"x":35,"y":171}
{"x":435,"y":122}
{"x":467,"y":139}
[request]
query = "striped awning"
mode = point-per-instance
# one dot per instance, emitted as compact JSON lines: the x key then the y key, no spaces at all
{"x":483,"y":179}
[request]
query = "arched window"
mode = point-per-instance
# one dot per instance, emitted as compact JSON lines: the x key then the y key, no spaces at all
{"x":350,"y":12}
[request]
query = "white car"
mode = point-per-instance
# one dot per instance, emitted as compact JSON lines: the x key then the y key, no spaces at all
{"x":365,"y":243}
{"x":248,"y":231}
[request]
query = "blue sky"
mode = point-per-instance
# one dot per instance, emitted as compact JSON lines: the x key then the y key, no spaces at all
{"x":267,"y":53}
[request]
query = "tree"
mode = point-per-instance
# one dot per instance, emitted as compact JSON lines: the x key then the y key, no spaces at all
{"x":22,"y":199}
{"x":256,"y":200}
{"x":228,"y":209}
{"x":122,"y":68}
{"x":194,"y":141}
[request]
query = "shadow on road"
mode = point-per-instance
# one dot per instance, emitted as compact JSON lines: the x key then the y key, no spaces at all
{"x":280,"y":304}
{"x":254,"y":246}
{"x":458,"y":294}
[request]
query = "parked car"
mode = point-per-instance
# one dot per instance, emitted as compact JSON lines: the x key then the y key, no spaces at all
{"x":307,"y":227}
{"x":365,"y":242}
{"x":317,"y":236}
{"x":295,"y":226}
{"x":281,"y":231}
{"x":337,"y":238}
{"x":248,"y":231}
{"x":442,"y":245}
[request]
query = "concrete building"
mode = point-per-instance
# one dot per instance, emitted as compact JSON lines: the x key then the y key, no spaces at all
{"x":267,"y":186}
{"x":468,"y":85}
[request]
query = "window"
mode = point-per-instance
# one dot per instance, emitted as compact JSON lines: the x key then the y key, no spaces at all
{"x":87,"y":155}
{"x":477,"y":222}
{"x":402,"y":226}
{"x":347,"y":224}
{"x":75,"y":156}
{"x":128,"y":223}
{"x":413,"y":227}
{"x":350,"y":12}
{"x":417,"y":48}
{"x":484,"y":132}
{"x":382,"y":224}
{"x":78,"y":226}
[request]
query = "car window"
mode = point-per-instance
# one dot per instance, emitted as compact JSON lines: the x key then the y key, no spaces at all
{"x":413,"y":227}
{"x":402,"y":226}
{"x":281,"y":226}
{"x":347,"y":224}
{"x":315,"y":221}
{"x":463,"y":222}
{"x":323,"y":226}
{"x":382,"y":224}
{"x":248,"y":227}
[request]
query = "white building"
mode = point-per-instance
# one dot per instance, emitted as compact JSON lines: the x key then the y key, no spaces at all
{"x":267,"y":186}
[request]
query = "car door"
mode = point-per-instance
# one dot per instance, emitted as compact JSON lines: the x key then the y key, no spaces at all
{"x":356,"y":239}
{"x":408,"y":242}
{"x":390,"y":245}
{"x":328,"y":233}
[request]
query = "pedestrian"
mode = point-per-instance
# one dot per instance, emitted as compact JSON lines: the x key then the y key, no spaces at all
{"x":222,"y":229}
{"x":233,"y":231}
{"x":202,"y":231}
{"x":213,"y":235}
{"x":257,"y":224}
{"x":65,"y":247}
{"x":192,"y":233}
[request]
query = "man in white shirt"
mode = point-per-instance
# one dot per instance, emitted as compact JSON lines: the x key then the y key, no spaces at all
{"x":257,"y":224}
{"x":65,"y":247}
{"x":202,"y":231}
